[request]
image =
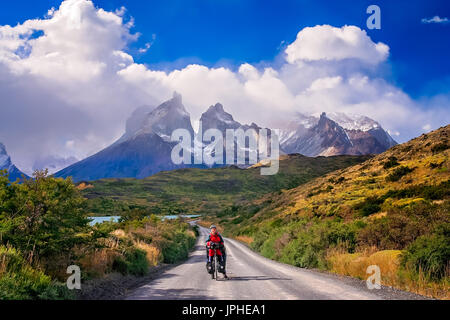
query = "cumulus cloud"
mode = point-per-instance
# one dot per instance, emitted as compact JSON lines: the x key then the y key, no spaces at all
{"x":68,"y":84}
{"x":59,"y":83}
{"x":330,"y":43}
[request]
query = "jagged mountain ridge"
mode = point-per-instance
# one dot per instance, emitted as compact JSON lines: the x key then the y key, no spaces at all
{"x":145,"y":147}
{"x":217,"y":118}
{"x":335,"y":134}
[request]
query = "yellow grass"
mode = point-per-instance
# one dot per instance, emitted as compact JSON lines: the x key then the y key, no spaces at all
{"x":98,"y":262}
{"x":153,"y":253}
{"x":119,"y":233}
{"x":83,"y":186}
{"x":245,"y":239}
{"x":355,"y":265}
{"x":2,"y":264}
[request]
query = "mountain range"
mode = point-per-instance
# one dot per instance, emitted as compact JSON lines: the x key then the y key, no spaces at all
{"x":145,"y":147}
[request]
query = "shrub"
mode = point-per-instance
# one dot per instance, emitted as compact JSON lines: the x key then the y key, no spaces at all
{"x":177,"y":248}
{"x":195,"y":229}
{"x":340,"y":180}
{"x":431,"y":192}
{"x":429,"y":254}
{"x":369,"y":206}
{"x":47,"y":210}
{"x":399,"y":173}
{"x":134,"y":261}
{"x":304,"y":243}
{"x":237,"y":220}
{"x":401,"y":226}
{"x":391,"y":163}
{"x":20,"y":281}
{"x":439,"y":147}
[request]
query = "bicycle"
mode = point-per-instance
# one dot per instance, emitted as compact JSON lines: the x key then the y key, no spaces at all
{"x":214,"y":261}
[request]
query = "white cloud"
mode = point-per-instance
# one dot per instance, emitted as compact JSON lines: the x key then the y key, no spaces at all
{"x":325,"y":83}
{"x":330,"y":43}
{"x":69,"y":91}
{"x":435,"y":19}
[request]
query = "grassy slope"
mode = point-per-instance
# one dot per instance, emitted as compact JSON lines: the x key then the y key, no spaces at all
{"x":369,"y":213}
{"x":205,"y":191}
{"x":341,"y":193}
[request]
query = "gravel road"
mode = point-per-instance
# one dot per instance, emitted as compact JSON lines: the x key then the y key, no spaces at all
{"x":253,"y":277}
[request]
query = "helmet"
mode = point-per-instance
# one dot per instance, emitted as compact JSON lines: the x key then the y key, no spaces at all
{"x":213,"y":227}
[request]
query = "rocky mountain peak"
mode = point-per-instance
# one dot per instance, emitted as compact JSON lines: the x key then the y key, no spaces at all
{"x":216,"y":117}
{"x":177,"y":98}
{"x":166,"y":118}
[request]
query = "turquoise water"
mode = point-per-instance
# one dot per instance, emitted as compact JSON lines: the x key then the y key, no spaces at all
{"x":96,"y":220}
{"x":184,"y":216}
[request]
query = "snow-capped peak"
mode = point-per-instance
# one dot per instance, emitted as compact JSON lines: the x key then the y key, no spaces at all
{"x":217,"y":111}
{"x":353,"y":121}
{"x":166,"y":118}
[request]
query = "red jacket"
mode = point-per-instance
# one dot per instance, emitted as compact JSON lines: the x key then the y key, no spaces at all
{"x":216,"y":238}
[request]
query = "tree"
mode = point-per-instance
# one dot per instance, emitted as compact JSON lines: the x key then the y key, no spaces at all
{"x":43,"y":215}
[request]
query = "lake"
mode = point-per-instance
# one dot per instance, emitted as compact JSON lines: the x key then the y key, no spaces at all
{"x":97,"y":220}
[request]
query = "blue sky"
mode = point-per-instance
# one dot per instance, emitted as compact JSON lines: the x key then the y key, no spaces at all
{"x":230,"y":32}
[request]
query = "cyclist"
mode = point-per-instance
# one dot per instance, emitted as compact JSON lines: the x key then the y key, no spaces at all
{"x":215,"y":237}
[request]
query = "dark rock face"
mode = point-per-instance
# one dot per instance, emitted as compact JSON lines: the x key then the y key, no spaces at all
{"x":370,"y":142}
{"x":324,"y":139}
{"x":216,"y":118}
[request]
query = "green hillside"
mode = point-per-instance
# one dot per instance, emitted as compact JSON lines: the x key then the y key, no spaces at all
{"x":205,"y":191}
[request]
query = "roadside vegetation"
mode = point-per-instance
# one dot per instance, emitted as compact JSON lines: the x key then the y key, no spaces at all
{"x":44,"y":228}
{"x":392,"y":211}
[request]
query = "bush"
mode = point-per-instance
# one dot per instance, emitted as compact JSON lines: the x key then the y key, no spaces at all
{"x":46,"y":210}
{"x":439,"y":147}
{"x":429,"y":254}
{"x":399,"y":173}
{"x":177,"y":248}
{"x":19,"y":281}
{"x":134,"y":261}
{"x":304,"y":243}
{"x":237,"y":220}
{"x":402,"y":226}
{"x":369,"y":206}
{"x":429,"y":192}
{"x":195,"y":229}
{"x":391,"y":163}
